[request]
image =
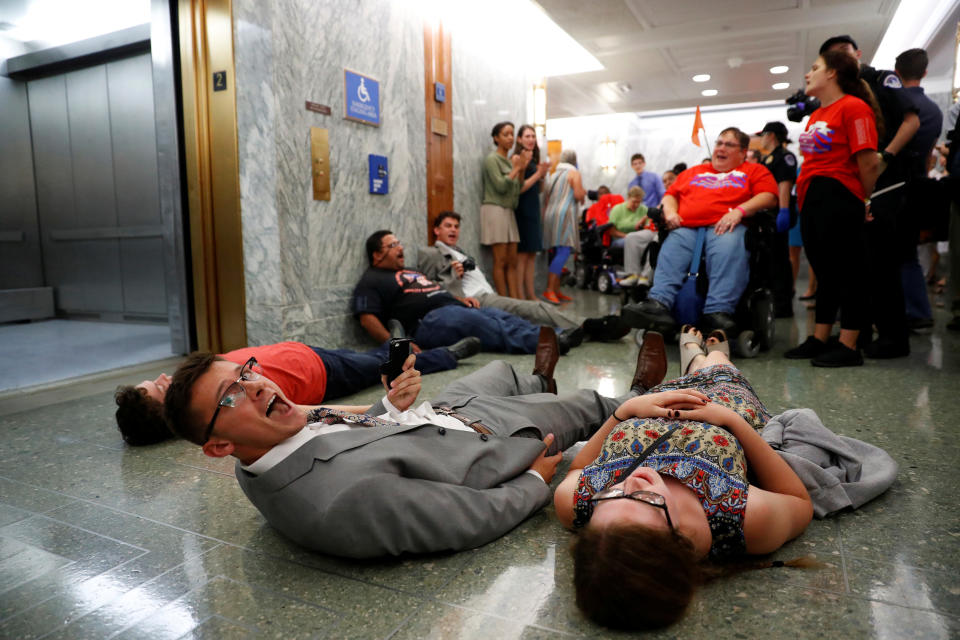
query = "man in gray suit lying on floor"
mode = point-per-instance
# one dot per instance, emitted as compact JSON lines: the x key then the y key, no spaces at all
{"x":394,"y":478}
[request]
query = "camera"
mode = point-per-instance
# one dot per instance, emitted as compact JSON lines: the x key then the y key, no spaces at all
{"x":802,"y":105}
{"x":469,"y":264}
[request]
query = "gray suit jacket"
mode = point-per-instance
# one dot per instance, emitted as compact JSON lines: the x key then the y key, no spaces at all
{"x":386,"y":491}
{"x":434,"y":262}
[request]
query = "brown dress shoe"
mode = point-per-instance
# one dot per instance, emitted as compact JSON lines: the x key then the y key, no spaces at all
{"x":545,"y":360}
{"x":651,"y":363}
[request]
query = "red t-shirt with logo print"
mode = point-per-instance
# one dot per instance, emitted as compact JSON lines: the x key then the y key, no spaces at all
{"x":833,"y":136}
{"x":705,"y":195}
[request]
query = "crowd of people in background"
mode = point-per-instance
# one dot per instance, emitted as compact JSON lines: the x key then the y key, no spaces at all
{"x":874,"y":130}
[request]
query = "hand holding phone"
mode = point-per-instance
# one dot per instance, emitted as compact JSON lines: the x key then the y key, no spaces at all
{"x":393,"y":366}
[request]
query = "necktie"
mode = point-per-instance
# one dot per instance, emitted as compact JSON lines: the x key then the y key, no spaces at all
{"x":332,"y":416}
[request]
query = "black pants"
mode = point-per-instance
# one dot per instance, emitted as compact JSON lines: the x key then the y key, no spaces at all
{"x":887,"y":241}
{"x":831,"y":222}
{"x":781,"y":279}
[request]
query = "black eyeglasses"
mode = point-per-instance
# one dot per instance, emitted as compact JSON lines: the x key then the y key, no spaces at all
{"x":235,"y":393}
{"x":651,"y":498}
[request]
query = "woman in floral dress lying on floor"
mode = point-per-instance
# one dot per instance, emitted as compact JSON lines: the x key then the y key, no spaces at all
{"x":664,"y":484}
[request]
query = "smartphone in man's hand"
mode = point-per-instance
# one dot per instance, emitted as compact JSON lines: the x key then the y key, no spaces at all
{"x":393,"y":366}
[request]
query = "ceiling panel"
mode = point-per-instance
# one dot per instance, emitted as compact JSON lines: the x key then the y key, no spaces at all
{"x":656,"y":46}
{"x":660,"y":13}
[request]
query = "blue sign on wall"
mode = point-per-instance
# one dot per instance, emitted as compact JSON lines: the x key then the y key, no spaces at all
{"x":379,"y":178}
{"x":361,"y":98}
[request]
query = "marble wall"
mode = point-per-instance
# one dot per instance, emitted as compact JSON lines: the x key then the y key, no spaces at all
{"x":487,"y":89}
{"x":664,"y":140}
{"x":302,"y":257}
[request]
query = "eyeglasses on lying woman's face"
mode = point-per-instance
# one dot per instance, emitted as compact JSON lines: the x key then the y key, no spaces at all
{"x":649,"y":497}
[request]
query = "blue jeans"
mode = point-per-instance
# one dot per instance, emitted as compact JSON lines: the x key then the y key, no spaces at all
{"x":616,"y":243}
{"x":728,"y":267}
{"x":497,"y":329}
{"x":915,"y":289}
{"x":351,"y":371}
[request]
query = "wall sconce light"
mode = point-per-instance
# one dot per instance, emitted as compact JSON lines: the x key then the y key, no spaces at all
{"x":540,"y":108}
{"x":608,"y":154}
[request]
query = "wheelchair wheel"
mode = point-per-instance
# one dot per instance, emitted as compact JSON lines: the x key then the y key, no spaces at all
{"x":764,"y":321}
{"x":748,"y":344}
{"x":580,"y":276}
{"x":604,"y":282}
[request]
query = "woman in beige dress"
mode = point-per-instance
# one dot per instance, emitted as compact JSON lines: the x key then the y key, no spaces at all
{"x":502,"y":181}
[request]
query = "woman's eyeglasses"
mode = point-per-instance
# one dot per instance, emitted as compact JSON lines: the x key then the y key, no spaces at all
{"x":651,"y":498}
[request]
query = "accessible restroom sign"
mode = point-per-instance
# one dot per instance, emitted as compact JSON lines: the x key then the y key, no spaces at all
{"x":361,"y":98}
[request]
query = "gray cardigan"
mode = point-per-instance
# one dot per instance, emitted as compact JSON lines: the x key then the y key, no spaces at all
{"x":838,"y":472}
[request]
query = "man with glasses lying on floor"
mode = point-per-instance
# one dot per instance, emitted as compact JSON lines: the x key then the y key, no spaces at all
{"x":396,"y":478}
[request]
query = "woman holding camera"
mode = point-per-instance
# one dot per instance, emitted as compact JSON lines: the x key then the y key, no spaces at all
{"x":502,"y":181}
{"x":840,"y":168}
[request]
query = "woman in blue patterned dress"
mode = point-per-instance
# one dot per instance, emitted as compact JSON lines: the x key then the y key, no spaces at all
{"x":564,"y":193}
{"x":663,"y":484}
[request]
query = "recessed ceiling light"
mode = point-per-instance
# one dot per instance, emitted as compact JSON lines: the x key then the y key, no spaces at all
{"x":779,"y":69}
{"x":781,"y":85}
{"x":709,"y":92}
{"x":701,"y":77}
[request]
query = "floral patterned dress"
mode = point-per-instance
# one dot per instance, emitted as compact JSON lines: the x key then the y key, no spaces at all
{"x":706,"y":458}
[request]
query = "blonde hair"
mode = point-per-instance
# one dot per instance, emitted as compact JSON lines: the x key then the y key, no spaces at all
{"x":636,"y":192}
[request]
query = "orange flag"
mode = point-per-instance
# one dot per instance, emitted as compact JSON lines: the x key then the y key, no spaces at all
{"x":697,"y":125}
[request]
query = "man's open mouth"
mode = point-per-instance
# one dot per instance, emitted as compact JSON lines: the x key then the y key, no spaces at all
{"x":276,"y":403}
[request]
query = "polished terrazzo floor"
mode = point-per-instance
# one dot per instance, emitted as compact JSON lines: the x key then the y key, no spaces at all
{"x":101,"y":540}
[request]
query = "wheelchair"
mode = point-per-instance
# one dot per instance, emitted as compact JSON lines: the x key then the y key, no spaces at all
{"x":595,"y":266}
{"x":755,"y":313}
{"x":600,"y":268}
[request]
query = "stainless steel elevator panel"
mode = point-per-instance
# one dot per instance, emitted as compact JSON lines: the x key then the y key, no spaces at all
{"x":130,"y":90}
{"x":98,"y":198}
{"x":98,"y":258}
{"x":53,"y":168}
{"x":22,"y":265}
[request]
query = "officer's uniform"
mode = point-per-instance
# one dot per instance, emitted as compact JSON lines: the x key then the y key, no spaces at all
{"x":783,"y":165}
{"x":883,"y":235}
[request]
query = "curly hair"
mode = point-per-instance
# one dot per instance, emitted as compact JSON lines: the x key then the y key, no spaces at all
{"x":632,"y":577}
{"x":140,"y":417}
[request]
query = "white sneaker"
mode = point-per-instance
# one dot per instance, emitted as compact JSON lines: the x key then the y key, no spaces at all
{"x":629,"y":281}
{"x":643,"y":281}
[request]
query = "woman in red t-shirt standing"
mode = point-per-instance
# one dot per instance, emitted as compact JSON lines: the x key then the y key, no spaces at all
{"x":840,"y":167}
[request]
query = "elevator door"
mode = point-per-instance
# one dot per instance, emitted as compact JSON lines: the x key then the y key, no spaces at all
{"x":95,"y":162}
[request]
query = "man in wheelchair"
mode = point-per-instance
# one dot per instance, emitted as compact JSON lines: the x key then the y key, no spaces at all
{"x":716,"y":196}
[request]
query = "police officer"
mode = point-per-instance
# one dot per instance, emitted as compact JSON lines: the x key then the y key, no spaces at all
{"x":884,"y":234}
{"x":783,"y":165}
